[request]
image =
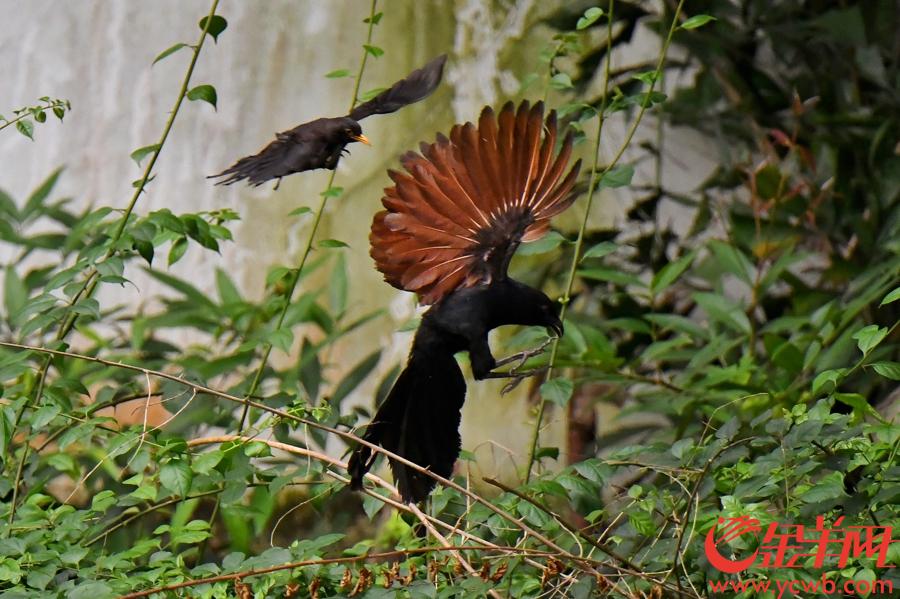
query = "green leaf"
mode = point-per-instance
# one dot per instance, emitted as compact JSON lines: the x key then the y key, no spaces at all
{"x":217,"y":24}
{"x":179,"y":247}
{"x":300,"y":211}
{"x":140,"y":182}
{"x":832,"y":376}
{"x":373,"y":50}
{"x":204,"y":92}
{"x":867,"y":338}
{"x":228,"y":291}
{"x":558,"y":391}
{"x":891,"y":297}
{"x":889,"y":370}
{"x":600,"y":250}
{"x":867,"y":575}
{"x":15,"y":294}
{"x":646,"y":77}
{"x":142,"y":153}
{"x":6,"y":431}
{"x":612,"y":275}
{"x":332,"y":192}
{"x":561,"y":81}
{"x":26,"y":128}
{"x":827,"y":487}
{"x":696,"y":21}
{"x":619,"y":176}
{"x":44,"y":416}
{"x":176,"y":475}
{"x":724,"y":311}
{"x":282,"y":339}
{"x":547,"y":452}
{"x":167,"y":52}
{"x":374,"y":19}
{"x":88,"y":307}
{"x":257,"y":449}
{"x":91,"y":590}
{"x":339,"y":73}
{"x":332,"y":243}
{"x":205,"y":462}
{"x":669,"y":273}
{"x":733,"y":260}
{"x":590,"y":17}
{"x":103,"y":500}
{"x":547,"y":243}
{"x":642,"y":523}
{"x":34,"y":205}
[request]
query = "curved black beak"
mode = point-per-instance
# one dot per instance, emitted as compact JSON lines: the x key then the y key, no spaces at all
{"x":556,"y":327}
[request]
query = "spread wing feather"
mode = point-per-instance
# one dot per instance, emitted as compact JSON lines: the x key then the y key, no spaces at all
{"x":414,"y":87}
{"x":458,"y":213}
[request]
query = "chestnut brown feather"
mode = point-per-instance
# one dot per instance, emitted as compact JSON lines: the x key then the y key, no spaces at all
{"x":466,"y":202}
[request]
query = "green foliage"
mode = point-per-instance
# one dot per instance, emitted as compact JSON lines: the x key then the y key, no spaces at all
{"x":752,"y":359}
{"x":25,"y":118}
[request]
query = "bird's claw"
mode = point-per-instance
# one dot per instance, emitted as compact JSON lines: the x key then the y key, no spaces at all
{"x":523,"y":356}
{"x":515,"y":375}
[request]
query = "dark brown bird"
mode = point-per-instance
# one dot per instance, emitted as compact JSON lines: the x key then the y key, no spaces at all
{"x":320,"y":143}
{"x":453,"y":222}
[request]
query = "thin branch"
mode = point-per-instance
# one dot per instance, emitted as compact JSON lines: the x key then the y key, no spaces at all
{"x":400,"y":553}
{"x":26,"y":112}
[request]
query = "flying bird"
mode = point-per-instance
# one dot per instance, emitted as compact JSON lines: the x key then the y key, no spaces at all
{"x":320,"y":143}
{"x":452,"y":223}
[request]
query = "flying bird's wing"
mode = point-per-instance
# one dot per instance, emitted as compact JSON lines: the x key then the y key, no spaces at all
{"x":458,"y":213}
{"x":418,"y":85}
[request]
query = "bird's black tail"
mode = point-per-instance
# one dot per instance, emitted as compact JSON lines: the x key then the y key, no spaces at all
{"x":419,"y":421}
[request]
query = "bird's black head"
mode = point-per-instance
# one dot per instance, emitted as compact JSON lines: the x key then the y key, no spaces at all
{"x":531,"y":307}
{"x":350,"y":131}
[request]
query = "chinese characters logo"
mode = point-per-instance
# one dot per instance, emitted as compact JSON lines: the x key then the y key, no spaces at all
{"x":791,"y":545}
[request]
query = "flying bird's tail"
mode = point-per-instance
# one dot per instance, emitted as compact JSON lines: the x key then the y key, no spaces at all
{"x":258,"y":168}
{"x":419,"y":421}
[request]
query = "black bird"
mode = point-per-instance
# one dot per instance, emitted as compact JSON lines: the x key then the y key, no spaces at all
{"x":452,"y":224}
{"x":320,"y":143}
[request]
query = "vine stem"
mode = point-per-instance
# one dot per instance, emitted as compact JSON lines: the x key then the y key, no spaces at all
{"x":289,"y":294}
{"x":91,"y":280}
{"x":595,"y":178}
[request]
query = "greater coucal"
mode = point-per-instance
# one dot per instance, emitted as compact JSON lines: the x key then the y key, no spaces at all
{"x":452,"y":223}
{"x":320,"y":143}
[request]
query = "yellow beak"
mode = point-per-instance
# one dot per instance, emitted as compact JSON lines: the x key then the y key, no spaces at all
{"x":361,"y":138}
